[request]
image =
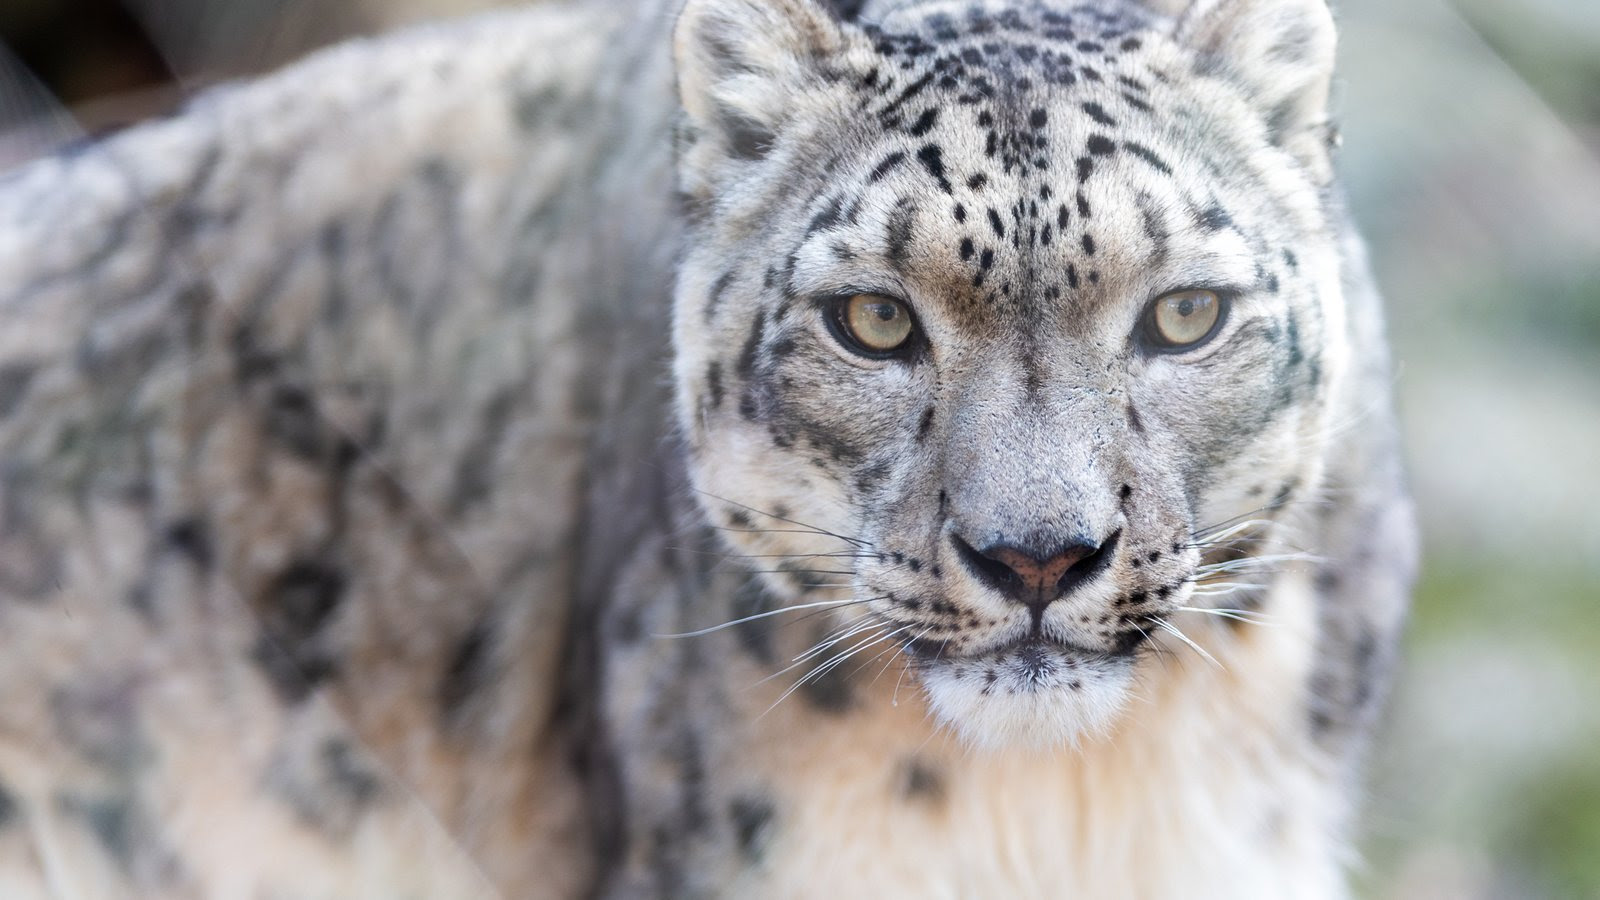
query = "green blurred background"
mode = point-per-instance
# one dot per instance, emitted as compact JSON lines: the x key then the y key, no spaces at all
{"x":1472,"y":153}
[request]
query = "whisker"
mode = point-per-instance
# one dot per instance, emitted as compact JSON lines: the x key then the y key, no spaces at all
{"x":752,"y":618}
{"x":1237,"y":615}
{"x":829,"y":666}
{"x":850,"y":630}
{"x":1256,"y":562}
{"x":812,"y":528}
{"x":1168,"y":627}
{"x":894,"y":699}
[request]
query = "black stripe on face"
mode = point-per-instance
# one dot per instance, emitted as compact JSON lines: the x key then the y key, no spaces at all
{"x":898,"y":238}
{"x":746,"y":366}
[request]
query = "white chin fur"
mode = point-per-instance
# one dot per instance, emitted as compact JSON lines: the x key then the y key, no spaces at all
{"x":1018,"y":711}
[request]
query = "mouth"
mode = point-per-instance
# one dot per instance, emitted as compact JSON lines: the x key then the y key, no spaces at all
{"x":1030,"y":691}
{"x":1034,"y":657}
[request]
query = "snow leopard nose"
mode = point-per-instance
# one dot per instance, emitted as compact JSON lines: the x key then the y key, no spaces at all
{"x":1032,"y":578}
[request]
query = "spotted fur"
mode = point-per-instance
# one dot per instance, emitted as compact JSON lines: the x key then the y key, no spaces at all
{"x":387,"y":445}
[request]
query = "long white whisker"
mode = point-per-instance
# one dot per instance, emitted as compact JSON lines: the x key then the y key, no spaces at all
{"x":1168,"y":627}
{"x":836,"y":638}
{"x":1237,"y":615}
{"x":828,"y":666}
{"x":760,"y":615}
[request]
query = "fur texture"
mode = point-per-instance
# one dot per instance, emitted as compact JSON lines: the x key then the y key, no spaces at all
{"x":388,"y":449}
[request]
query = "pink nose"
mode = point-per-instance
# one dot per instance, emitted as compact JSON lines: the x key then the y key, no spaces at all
{"x":1036,"y":580}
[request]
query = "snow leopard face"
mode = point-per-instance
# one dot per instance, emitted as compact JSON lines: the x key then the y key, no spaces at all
{"x":1017,"y":314}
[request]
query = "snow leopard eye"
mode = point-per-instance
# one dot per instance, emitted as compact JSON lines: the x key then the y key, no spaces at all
{"x":872,"y":325}
{"x":1183,"y":319}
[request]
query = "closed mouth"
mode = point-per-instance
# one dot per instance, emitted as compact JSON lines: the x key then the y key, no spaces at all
{"x":1034,"y":652}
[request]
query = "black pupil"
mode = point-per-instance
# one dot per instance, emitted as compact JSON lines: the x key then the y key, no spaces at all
{"x":884,"y":311}
{"x":1186,"y":307}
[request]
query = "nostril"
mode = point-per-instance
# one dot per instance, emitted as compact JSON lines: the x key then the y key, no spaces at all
{"x":999,"y":575}
{"x":1032,"y":578}
{"x":1089,"y":564}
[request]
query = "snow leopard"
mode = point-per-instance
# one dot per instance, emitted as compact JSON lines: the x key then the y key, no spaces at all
{"x":704,"y":448}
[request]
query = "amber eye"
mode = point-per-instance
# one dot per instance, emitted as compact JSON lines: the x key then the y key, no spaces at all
{"x":873,"y":325}
{"x":1183,"y":319}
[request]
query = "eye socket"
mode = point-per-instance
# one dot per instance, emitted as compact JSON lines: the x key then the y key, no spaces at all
{"x":1182,"y":320}
{"x":872,"y":325}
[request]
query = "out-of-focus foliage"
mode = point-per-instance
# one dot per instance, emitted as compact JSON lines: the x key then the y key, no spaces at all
{"x":1472,"y":155}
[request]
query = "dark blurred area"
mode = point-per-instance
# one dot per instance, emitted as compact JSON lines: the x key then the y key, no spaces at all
{"x":81,"y":50}
{"x":1472,"y":157}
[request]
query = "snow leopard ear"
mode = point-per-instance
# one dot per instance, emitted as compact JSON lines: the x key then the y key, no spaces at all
{"x":741,"y":64}
{"x":1281,"y":53}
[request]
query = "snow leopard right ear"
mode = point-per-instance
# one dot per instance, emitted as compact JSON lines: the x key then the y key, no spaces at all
{"x":1281,"y":54}
{"x":741,"y":63}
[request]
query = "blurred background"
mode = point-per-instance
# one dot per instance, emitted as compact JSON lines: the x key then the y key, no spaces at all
{"x":1472,"y":153}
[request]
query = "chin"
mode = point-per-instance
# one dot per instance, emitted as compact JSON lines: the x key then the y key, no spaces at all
{"x":1037,"y":696}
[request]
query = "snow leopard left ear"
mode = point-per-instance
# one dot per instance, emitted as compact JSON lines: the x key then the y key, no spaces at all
{"x":1281,"y":53}
{"x":740,"y":64}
